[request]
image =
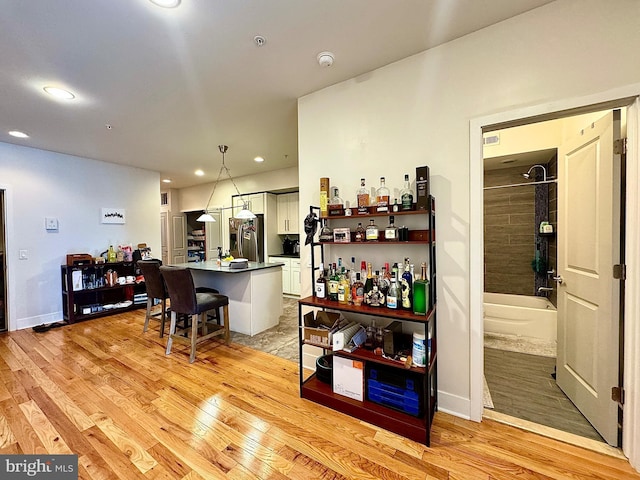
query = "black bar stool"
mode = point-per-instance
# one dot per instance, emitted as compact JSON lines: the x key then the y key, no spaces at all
{"x":155,"y":289}
{"x":186,"y":300}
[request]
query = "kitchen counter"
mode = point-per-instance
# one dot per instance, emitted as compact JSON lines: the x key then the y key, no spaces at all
{"x":255,"y":293}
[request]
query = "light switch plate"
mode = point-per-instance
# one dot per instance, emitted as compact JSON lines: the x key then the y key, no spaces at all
{"x":51,"y":223}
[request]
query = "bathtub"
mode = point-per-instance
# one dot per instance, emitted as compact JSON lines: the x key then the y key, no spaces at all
{"x":520,"y":315}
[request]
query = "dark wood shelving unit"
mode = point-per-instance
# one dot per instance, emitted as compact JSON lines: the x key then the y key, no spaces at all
{"x":95,"y":298}
{"x":414,"y":427}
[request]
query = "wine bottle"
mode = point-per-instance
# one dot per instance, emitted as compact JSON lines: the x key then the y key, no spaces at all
{"x":421,"y":292}
{"x":321,"y":284}
{"x":368,"y":284}
{"x":333,"y":284}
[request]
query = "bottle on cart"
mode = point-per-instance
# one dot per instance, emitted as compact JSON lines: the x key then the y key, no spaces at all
{"x":372,"y":232}
{"x":406,"y":195}
{"x":321,"y":284}
{"x":392,"y":295}
{"x":111,"y":254}
{"x":362,"y":195}
{"x":382,"y":197}
{"x":357,"y":291}
{"x":360,"y":235}
{"x":326,"y":234}
{"x":333,"y":283}
{"x":406,"y":283}
{"x":421,"y":292}
{"x":344,"y":288}
{"x":391,"y":232}
{"x":368,"y":284}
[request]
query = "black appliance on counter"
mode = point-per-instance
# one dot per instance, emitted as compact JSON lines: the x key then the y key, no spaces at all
{"x":288,"y":246}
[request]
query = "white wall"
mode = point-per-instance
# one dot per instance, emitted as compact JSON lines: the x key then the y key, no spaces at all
{"x":43,"y":184}
{"x":417,"y":111}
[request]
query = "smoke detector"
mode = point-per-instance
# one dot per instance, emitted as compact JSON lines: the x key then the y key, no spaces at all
{"x":325,"y":59}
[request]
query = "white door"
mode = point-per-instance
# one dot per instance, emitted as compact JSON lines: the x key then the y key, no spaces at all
{"x":588,"y":247}
{"x":178,"y":238}
{"x":164,"y":237}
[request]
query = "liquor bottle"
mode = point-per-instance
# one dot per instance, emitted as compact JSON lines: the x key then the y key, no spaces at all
{"x":357,"y":291}
{"x":392,"y":295}
{"x":321,"y":284}
{"x":111,"y":254}
{"x":334,"y":280}
{"x":406,"y":283}
{"x":326,"y":234}
{"x":382,"y":197}
{"x":384,"y":281}
{"x":362,"y":195}
{"x":421,"y":292}
{"x":368,"y":284}
{"x":336,"y":205}
{"x":406,"y":195}
{"x":360,"y":233}
{"x":363,"y":270}
{"x":396,"y":205}
{"x":391,"y":232}
{"x":343,"y":288}
{"x":372,"y":232}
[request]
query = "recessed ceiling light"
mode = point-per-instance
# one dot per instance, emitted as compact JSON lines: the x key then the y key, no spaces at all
{"x":59,"y":93}
{"x":258,"y":159}
{"x":166,"y":180}
{"x":166,"y":3}
{"x":199,"y":173}
{"x":18,"y":134}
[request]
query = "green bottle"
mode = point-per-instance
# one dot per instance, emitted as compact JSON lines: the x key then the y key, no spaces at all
{"x":421,"y":292}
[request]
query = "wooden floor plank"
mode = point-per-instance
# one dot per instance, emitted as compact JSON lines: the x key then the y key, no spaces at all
{"x":104,"y":390}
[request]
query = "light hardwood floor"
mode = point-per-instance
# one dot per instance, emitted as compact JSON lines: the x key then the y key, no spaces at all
{"x":104,"y":390}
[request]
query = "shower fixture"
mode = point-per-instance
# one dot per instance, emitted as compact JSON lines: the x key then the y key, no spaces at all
{"x":544,"y":173}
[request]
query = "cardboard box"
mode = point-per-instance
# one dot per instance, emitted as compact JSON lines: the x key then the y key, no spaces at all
{"x":348,"y":377}
{"x":318,"y":330}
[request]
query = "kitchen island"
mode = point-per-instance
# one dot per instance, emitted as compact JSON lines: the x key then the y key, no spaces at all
{"x":255,"y":292}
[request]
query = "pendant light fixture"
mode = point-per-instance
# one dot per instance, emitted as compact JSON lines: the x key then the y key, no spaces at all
{"x":245,"y":213}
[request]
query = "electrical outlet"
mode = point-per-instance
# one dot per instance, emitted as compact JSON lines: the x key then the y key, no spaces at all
{"x":23,"y":254}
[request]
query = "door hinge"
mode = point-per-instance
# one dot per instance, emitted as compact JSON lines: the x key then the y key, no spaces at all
{"x":620,"y":146}
{"x":617,"y":395}
{"x":620,"y":271}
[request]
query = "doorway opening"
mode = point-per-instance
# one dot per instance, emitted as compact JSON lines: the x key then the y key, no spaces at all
{"x":3,"y":269}
{"x":527,"y":251}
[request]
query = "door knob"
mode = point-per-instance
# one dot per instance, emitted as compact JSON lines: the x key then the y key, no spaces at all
{"x":559,"y":279}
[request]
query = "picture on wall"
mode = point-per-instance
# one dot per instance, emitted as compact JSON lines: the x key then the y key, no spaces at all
{"x":113,"y":215}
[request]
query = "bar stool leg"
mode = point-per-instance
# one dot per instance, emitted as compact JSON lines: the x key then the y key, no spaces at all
{"x":194,"y":336}
{"x":164,"y":316}
{"x":225,"y":310}
{"x":148,"y":315}
{"x":172,"y":331}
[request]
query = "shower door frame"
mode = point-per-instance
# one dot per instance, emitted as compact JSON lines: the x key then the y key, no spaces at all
{"x":623,"y":97}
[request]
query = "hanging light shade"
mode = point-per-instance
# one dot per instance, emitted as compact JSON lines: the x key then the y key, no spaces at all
{"x":245,"y":213}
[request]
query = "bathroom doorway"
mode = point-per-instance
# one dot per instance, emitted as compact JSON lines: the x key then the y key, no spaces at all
{"x":521,"y":265}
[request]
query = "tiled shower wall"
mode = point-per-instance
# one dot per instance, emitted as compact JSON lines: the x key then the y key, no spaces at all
{"x":509,"y":233}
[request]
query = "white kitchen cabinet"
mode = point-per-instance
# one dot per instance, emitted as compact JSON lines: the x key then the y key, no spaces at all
{"x":255,"y":202}
{"x":290,"y":274}
{"x":288,"y":220}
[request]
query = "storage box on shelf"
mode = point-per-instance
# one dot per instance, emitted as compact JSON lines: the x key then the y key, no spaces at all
{"x":396,"y":397}
{"x":87,"y":294}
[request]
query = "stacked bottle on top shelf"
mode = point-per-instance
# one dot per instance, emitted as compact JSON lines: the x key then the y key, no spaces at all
{"x":388,"y":288}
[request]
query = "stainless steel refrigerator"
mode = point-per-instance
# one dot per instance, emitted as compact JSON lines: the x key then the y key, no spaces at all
{"x":247,"y":238}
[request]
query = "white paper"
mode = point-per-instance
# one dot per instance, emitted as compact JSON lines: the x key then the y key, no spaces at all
{"x":348,"y":379}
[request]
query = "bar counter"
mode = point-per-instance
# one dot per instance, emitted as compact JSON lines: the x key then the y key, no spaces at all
{"x":255,"y":292}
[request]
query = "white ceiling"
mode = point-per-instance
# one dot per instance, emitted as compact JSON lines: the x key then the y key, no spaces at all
{"x":175,"y":83}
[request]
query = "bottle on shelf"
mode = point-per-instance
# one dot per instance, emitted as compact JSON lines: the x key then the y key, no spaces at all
{"x":396,"y":206}
{"x":360,"y":233}
{"x":421,"y":292}
{"x":111,"y":255}
{"x":321,"y":284}
{"x":326,"y":234}
{"x":357,"y":291}
{"x":372,"y":231}
{"x":362,"y":195}
{"x":392,"y":295}
{"x":324,"y":196}
{"x":406,"y":283}
{"x":406,"y":195}
{"x":344,"y":288}
{"x":334,"y":281}
{"x":384,"y":281}
{"x":368,"y":284}
{"x":336,"y":205}
{"x":391,"y":232}
{"x":382,"y":197}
